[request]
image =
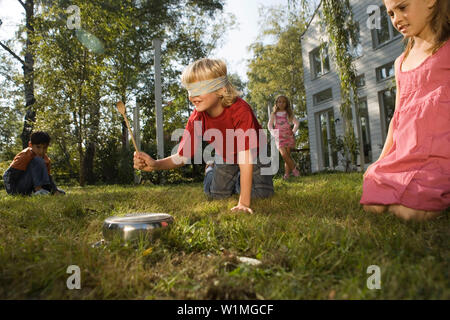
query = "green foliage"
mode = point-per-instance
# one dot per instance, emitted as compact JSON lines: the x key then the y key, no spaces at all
{"x":11,"y":99}
{"x":278,"y":68}
{"x":347,"y":147}
{"x":303,"y":161}
{"x":240,"y":85}
{"x":9,"y":127}
{"x":342,"y":30}
{"x":3,"y":167}
{"x":77,"y":86}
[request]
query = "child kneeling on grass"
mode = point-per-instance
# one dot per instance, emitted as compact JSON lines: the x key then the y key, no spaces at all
{"x":221,"y":117}
{"x":411,"y":178}
{"x":29,"y":173}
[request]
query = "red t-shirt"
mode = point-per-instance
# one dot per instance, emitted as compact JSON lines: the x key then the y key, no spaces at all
{"x":236,"y":129}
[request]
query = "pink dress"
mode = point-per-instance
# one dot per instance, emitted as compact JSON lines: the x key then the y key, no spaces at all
{"x":416,"y":171}
{"x":286,"y":137}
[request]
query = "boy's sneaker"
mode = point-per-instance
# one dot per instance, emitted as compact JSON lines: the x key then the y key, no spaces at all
{"x":295,"y":172}
{"x":41,"y":192}
{"x":286,"y":176}
{"x":60,"y":191}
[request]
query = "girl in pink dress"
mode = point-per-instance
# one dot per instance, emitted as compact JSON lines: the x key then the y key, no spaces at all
{"x":283,"y":116}
{"x":411,"y":178}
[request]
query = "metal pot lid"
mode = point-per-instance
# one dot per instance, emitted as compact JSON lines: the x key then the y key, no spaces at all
{"x":140,"y":218}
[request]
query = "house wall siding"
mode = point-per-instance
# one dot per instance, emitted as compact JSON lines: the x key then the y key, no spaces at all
{"x":366,"y":64}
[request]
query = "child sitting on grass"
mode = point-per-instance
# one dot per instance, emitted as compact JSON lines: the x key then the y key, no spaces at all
{"x":29,"y":173}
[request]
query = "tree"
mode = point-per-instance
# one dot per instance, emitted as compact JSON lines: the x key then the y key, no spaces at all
{"x":193,"y":34}
{"x":278,"y":68}
{"x":237,"y":82}
{"x":28,"y":71}
{"x":78,"y":85}
{"x":9,"y":105}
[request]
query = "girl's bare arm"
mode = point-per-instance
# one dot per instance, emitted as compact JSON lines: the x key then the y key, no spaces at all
{"x":296,"y":125}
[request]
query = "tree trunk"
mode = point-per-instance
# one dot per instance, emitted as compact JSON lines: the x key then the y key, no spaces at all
{"x":125,"y":140}
{"x":359,"y":139}
{"x":93,"y":131}
{"x":81,"y":101}
{"x":28,"y":72}
{"x":67,"y":157}
{"x":78,"y":130}
{"x":88,"y":166}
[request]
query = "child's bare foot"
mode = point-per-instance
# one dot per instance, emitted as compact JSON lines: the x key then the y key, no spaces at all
{"x":406,"y":213}
{"x":375,"y":209}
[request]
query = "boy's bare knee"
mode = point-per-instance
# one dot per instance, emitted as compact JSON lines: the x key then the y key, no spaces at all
{"x":375,"y":209}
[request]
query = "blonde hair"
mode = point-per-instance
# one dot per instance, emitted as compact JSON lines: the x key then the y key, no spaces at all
{"x":207,"y":69}
{"x":288,"y":107}
{"x":440,"y":25}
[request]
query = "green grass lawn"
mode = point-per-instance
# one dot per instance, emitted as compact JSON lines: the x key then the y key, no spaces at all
{"x":312,"y":237}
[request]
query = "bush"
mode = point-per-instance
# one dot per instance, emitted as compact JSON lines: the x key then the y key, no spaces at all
{"x":3,"y":167}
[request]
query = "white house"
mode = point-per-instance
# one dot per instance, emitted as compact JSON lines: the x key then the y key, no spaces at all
{"x":380,"y":44}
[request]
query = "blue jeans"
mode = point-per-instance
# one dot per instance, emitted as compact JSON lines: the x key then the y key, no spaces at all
{"x":223,"y":180}
{"x":36,"y":175}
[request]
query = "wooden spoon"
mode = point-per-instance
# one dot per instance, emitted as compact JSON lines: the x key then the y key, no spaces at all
{"x":121,"y":108}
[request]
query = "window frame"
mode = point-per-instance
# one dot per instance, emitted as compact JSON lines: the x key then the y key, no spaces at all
{"x":378,"y":69}
{"x":314,"y":73}
{"x":333,"y":157}
{"x":368,"y":131}
{"x":383,"y":120}
{"x":314,"y":96}
{"x":363,"y":76}
{"x":391,"y":30}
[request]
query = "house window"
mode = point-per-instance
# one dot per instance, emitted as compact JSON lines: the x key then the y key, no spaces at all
{"x":360,"y":81}
{"x":322,"y":96}
{"x":387,"y":108}
{"x":365,"y":129}
{"x":386,"y":33}
{"x":327,"y":135}
{"x":320,"y":62}
{"x":386,"y":71}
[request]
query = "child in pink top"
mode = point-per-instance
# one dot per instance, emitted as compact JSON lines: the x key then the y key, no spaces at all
{"x":412,"y":176}
{"x":283,"y":116}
